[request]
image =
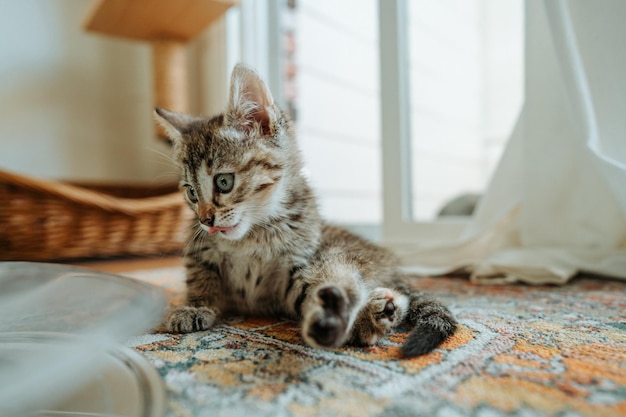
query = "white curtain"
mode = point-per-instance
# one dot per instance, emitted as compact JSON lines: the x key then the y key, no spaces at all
{"x":556,"y":204}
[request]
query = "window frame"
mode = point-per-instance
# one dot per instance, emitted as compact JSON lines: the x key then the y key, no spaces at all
{"x":398,"y":225}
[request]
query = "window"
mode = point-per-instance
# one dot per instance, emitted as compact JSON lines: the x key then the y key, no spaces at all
{"x":465,"y":79}
{"x":323,"y":67}
{"x":451,"y":90}
{"x":400,"y":105}
{"x":338,"y":106}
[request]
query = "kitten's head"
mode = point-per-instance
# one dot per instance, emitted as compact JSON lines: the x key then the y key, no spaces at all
{"x":235,"y":167}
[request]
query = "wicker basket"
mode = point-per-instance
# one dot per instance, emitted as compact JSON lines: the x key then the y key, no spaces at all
{"x":48,"y":220}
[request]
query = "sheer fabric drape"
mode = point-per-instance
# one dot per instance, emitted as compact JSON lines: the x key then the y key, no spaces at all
{"x":556,"y":204}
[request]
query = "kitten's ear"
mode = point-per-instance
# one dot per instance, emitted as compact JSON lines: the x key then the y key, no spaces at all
{"x":250,"y":103}
{"x":173,"y":123}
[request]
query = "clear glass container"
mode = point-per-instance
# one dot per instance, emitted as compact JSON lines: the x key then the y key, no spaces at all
{"x":61,"y":334}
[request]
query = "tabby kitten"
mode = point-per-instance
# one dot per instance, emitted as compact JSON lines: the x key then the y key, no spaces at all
{"x":260,"y":247}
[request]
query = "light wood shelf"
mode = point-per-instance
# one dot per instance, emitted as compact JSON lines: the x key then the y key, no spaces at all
{"x":168,"y":25}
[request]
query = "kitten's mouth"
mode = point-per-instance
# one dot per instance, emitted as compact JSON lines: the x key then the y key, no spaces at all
{"x":217,"y":229}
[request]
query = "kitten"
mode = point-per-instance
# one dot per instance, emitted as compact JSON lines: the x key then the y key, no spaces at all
{"x":260,"y":247}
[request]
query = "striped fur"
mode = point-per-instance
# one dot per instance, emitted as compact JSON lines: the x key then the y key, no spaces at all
{"x":259,"y":246}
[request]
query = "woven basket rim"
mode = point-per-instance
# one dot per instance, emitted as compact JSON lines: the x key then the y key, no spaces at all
{"x":91,"y":198}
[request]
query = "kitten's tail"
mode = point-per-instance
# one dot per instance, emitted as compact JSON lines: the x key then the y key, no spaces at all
{"x":433,"y":323}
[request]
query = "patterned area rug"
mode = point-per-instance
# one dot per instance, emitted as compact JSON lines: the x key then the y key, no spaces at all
{"x":521,"y":351}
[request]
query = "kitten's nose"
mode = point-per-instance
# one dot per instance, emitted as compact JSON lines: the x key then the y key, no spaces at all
{"x":208,"y":221}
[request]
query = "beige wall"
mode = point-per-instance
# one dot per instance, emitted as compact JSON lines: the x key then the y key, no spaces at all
{"x":78,"y":106}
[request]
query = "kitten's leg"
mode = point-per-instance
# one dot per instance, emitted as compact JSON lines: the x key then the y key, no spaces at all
{"x":327,"y":295}
{"x":203,"y":305}
{"x":385,"y":309}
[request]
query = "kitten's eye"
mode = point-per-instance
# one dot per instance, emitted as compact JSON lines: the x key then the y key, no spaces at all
{"x":191,"y":194}
{"x":224,"y":182}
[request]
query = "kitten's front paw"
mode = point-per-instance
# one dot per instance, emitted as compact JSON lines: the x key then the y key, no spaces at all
{"x":327,"y":324}
{"x":187,"y":319}
{"x":384,"y":311}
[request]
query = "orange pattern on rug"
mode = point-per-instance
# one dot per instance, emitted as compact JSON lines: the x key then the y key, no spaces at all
{"x":520,"y":351}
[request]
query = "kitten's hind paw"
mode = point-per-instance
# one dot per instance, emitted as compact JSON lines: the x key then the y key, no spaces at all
{"x":187,"y":319}
{"x":383,"y":311}
{"x":327,"y":324}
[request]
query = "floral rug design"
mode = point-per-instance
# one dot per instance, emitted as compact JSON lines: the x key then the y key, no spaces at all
{"x":520,"y":351}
